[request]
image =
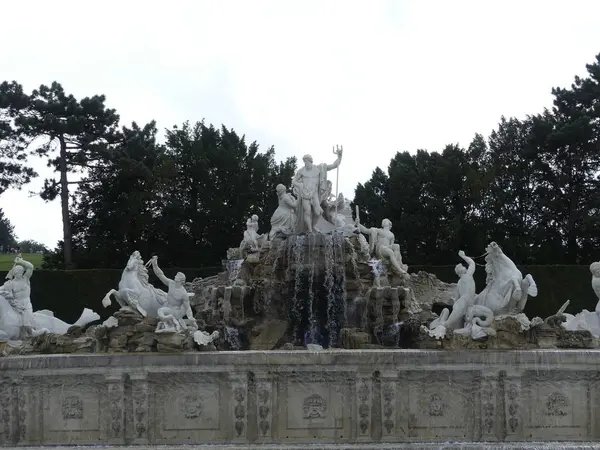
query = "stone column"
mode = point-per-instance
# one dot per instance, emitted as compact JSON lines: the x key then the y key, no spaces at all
{"x":265,"y":403}
{"x":513,"y":409}
{"x":238,"y":383}
{"x":364,"y":406}
{"x":22,"y":394}
{"x":114,"y":409}
{"x":7,"y":412}
{"x":491,"y":428}
{"x":138,"y":434}
{"x":390,"y":431}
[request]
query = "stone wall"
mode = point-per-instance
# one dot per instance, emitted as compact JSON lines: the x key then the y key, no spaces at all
{"x":339,"y":397}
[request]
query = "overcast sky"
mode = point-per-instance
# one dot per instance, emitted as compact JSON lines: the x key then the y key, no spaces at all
{"x":374,"y":76}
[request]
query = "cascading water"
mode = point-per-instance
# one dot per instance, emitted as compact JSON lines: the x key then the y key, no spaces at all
{"x":233,"y":268}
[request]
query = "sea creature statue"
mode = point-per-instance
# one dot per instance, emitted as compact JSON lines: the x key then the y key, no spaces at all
{"x":587,"y":320}
{"x":135,"y":292}
{"x":17,"y":319}
{"x":506,"y":291}
{"x":466,"y":317}
{"x":382,"y":244}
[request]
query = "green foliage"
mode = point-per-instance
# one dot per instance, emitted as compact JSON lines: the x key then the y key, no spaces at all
{"x":7,"y":232}
{"x":31,"y":246}
{"x":13,"y":169}
{"x":186,"y":201}
{"x":72,"y":135}
{"x":532,"y":187}
{"x":7,"y":261}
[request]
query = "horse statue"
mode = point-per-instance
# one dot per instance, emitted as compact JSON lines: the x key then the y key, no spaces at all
{"x":506,"y":290}
{"x":11,"y":322}
{"x":135,"y":291}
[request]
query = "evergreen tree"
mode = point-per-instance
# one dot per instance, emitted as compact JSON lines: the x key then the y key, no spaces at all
{"x":72,"y":135}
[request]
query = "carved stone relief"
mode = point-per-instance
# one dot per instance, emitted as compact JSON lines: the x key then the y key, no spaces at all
{"x":191,"y":406}
{"x":72,"y":408}
{"x":557,"y":404}
{"x":314,"y":407}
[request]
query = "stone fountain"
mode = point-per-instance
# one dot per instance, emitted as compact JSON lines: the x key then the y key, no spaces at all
{"x":314,"y":333}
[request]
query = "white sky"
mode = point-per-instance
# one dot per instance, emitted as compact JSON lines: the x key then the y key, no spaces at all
{"x":375,"y":76}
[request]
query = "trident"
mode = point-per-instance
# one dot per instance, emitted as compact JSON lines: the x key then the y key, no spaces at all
{"x":336,"y":151}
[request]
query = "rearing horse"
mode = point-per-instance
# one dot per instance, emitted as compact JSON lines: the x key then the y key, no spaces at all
{"x":506,"y":290}
{"x":135,"y":291}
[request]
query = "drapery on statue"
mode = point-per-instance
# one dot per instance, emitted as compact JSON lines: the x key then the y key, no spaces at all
{"x":284,"y":217}
{"x":311,"y":188}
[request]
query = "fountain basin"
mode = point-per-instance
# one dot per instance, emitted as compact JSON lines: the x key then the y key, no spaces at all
{"x":297,"y":399}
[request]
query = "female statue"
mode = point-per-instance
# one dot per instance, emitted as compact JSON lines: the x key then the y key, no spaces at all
{"x":284,"y":217}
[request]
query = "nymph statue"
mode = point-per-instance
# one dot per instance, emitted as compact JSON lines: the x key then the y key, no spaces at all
{"x":284,"y":217}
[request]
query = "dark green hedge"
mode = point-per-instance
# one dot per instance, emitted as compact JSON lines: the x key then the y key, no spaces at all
{"x":68,"y":292}
{"x":556,"y":285}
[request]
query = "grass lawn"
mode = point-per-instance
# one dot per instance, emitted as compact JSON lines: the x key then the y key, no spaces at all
{"x":7,"y":261}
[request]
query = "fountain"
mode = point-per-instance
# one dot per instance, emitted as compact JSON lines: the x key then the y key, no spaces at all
{"x":311,"y":335}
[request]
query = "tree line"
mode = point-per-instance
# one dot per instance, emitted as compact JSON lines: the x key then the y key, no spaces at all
{"x":532,"y":185}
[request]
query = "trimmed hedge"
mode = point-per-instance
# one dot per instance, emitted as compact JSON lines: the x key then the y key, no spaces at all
{"x":68,"y":292}
{"x":556,"y":284}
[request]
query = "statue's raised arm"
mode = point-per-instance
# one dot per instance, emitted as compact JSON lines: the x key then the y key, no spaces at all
{"x":470,"y":263}
{"x":26,"y":265}
{"x":158,"y":272}
{"x":338,"y":161}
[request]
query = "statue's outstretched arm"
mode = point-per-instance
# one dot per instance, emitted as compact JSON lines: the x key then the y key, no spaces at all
{"x":27,"y":265}
{"x":159,"y":273}
{"x":469,"y":261}
{"x":336,"y":163}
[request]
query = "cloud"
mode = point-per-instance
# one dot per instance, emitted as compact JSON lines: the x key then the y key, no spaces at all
{"x":377,"y":77}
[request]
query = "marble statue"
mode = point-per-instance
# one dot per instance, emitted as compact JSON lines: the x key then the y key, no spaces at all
{"x":464,"y":298}
{"x":17,"y":319}
{"x":311,"y":187}
{"x":135,"y":291}
{"x":587,"y":320}
{"x":171,"y":316}
{"x":382,"y":244}
{"x":506,"y":290}
{"x":252,"y":241}
{"x":284,"y":217}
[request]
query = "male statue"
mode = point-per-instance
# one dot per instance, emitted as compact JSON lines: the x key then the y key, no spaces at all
{"x":178,"y":304}
{"x":310,"y":186}
{"x":17,"y":291}
{"x":381,"y":241}
{"x":464,"y":299}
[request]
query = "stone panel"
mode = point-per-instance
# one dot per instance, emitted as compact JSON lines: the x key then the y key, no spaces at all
{"x":315,"y":407}
{"x":440,"y":404}
{"x":187,"y":408}
{"x":558,"y":401}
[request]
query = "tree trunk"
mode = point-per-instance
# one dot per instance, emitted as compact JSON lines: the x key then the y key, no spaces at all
{"x":64,"y":204}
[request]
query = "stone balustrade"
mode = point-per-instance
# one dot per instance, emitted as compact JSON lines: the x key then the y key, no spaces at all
{"x":348,"y":399}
